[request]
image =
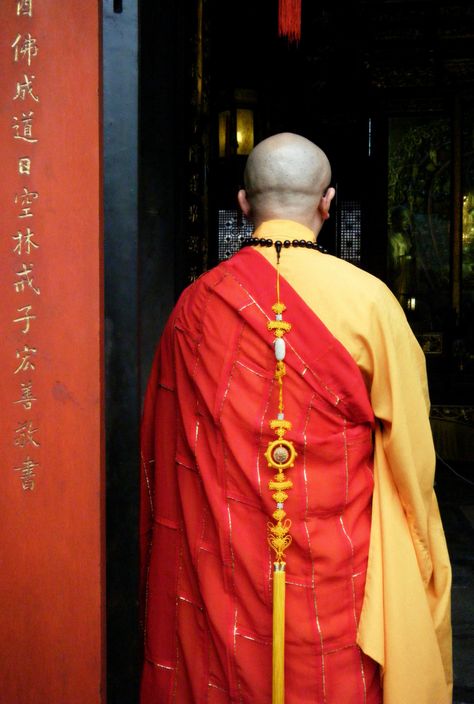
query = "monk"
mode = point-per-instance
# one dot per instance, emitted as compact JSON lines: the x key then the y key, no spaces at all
{"x":367,"y":616}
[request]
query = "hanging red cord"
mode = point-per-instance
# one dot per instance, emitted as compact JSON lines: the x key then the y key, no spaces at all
{"x":289,"y":19}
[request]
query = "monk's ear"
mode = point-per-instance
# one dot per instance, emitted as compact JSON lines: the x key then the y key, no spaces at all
{"x":325,"y":202}
{"x":243,"y":202}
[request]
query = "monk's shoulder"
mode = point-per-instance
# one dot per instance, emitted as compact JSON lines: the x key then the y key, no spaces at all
{"x":355,"y":281}
{"x":195,"y":300}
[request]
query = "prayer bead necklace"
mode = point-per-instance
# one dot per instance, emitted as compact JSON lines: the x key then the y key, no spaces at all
{"x":278,"y":244}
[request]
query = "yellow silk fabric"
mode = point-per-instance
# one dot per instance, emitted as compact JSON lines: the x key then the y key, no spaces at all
{"x":405,"y":622}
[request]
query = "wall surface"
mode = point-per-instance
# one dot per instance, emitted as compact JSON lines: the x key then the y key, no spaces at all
{"x":51,"y":441}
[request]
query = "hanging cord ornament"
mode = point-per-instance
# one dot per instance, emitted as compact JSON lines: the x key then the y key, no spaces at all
{"x":280,"y":455}
{"x":289,"y":19}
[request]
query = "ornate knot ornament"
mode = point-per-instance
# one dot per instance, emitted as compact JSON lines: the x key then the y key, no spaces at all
{"x":280,"y":453}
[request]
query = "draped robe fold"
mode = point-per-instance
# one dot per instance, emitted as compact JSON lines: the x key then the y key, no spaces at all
{"x":205,"y":506}
{"x":212,"y":394}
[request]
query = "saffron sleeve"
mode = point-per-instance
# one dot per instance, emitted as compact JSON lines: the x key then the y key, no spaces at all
{"x":400,"y":401}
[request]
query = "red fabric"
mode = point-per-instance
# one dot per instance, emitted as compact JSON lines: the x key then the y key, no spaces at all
{"x":205,"y":501}
{"x":289,"y":19}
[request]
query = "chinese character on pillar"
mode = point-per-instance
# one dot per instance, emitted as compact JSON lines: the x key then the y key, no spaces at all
{"x":24,"y":7}
{"x":23,"y":127}
{"x":27,"y":469}
{"x":25,"y":89}
{"x":24,"y":48}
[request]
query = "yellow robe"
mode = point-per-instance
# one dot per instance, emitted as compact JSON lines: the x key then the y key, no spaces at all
{"x":405,"y":623}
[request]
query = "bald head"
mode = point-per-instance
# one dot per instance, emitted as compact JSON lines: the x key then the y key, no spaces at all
{"x":286,"y":176}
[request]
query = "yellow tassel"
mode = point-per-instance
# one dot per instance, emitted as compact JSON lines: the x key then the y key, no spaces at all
{"x":278,"y":675}
{"x":280,"y":455}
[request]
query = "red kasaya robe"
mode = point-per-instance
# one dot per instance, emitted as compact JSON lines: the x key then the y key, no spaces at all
{"x":207,"y":566}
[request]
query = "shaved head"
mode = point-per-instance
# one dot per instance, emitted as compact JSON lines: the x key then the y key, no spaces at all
{"x":285,"y":177}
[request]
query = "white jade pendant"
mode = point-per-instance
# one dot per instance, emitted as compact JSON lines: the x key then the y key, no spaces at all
{"x":280,"y":348}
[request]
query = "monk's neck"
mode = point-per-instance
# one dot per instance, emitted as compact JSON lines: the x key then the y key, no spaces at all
{"x":284,"y":230}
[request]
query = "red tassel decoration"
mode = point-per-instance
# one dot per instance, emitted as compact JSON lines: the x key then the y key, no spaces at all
{"x":289,"y":19}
